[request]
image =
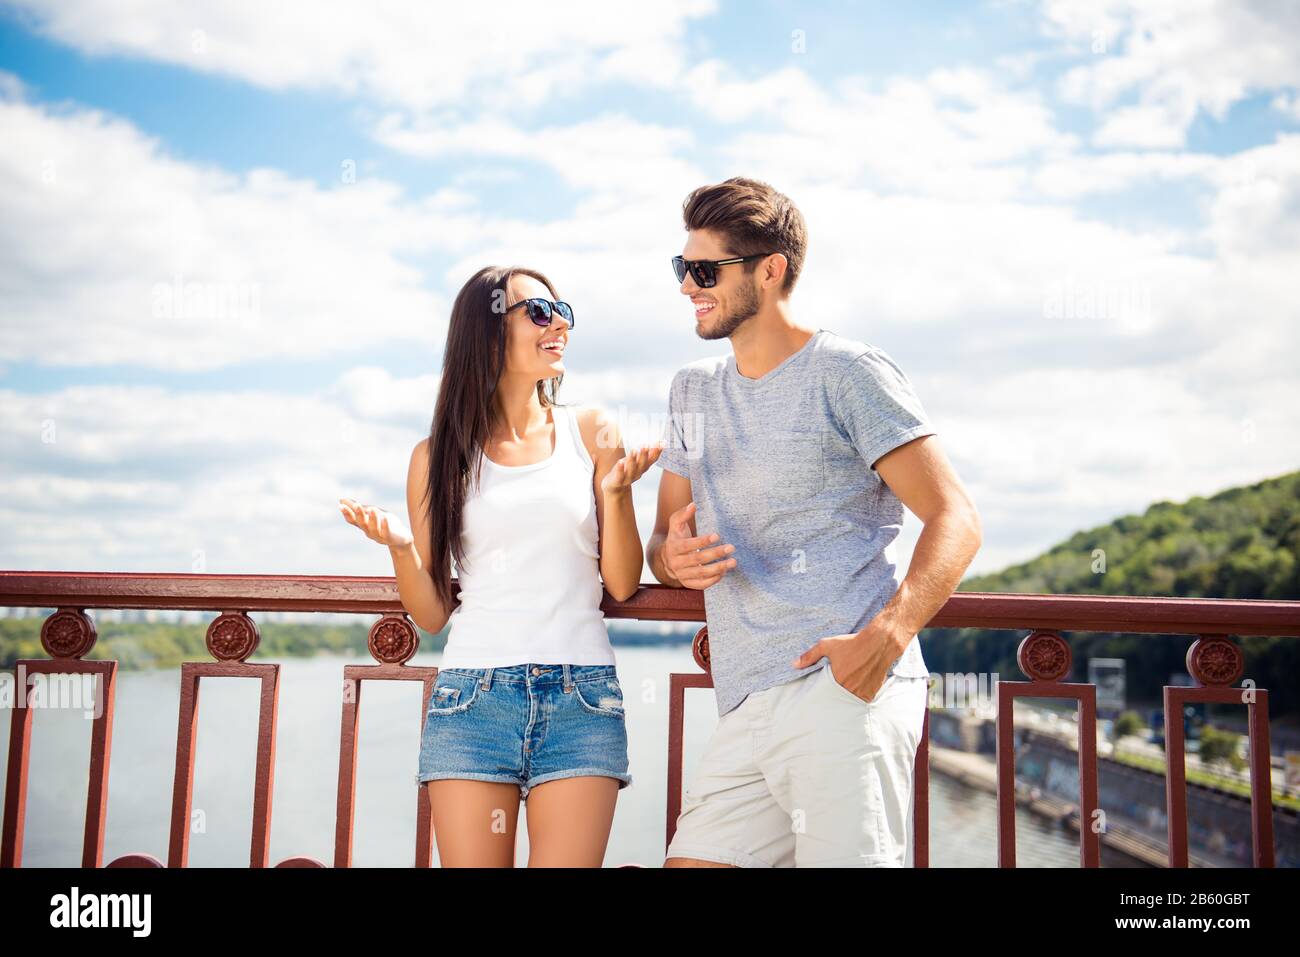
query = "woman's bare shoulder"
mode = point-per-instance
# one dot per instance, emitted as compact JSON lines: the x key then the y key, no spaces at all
{"x":599,"y":429}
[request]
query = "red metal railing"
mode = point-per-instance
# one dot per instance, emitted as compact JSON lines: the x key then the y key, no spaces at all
{"x":1045,"y":657}
{"x":1214,"y":662}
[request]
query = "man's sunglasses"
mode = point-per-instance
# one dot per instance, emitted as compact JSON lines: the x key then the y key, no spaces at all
{"x":705,"y":271}
{"x":539,"y":310}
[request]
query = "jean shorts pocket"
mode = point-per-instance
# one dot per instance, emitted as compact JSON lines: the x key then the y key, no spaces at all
{"x":601,"y":696}
{"x":453,"y":692}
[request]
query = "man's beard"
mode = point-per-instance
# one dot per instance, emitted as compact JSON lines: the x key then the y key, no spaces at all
{"x":746,"y":307}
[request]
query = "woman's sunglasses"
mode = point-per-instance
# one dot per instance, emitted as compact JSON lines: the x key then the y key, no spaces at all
{"x":705,"y":271}
{"x":539,"y":310}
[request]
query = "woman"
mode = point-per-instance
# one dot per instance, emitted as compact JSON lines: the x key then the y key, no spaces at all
{"x":534,"y":499}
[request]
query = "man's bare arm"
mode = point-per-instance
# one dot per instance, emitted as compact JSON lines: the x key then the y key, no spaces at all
{"x":919,"y":473}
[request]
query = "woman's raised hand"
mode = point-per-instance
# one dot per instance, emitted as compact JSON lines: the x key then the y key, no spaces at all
{"x":631,"y":467}
{"x":380,"y":526}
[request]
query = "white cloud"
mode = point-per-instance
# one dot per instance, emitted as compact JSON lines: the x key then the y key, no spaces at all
{"x":99,"y":223}
{"x":608,"y":152}
{"x":497,"y":54}
{"x":1049,"y":452}
{"x":1158,"y":125}
{"x":953,"y":133}
{"x":1078,"y":175}
{"x":137,"y":478}
{"x":374,"y":393}
{"x":148,"y":479}
{"x":1178,"y":57}
{"x":1288,"y":106}
{"x":1255,"y":215}
{"x":117,"y":252}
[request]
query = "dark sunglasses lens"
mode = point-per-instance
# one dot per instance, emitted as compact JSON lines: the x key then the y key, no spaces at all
{"x":566,"y":312}
{"x":679,"y":267}
{"x":539,"y":310}
{"x":704,"y":274}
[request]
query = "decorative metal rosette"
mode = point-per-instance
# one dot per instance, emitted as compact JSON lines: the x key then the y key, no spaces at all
{"x":68,"y":633}
{"x":393,"y":640}
{"x":1214,"y":660}
{"x":1044,"y":656}
{"x":700,"y":648}
{"x":232,"y":636}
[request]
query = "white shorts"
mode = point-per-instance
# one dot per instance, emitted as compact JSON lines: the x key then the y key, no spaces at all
{"x":807,"y":774}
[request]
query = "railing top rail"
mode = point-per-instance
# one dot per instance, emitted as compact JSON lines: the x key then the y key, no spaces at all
{"x":653,"y":602}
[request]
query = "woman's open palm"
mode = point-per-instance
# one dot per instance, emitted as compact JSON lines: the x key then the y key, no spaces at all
{"x":631,"y":467}
{"x":379,"y":525}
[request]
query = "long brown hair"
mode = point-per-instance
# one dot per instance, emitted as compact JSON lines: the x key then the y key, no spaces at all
{"x":472,"y":363}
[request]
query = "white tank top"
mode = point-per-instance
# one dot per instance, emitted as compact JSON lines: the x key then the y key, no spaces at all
{"x":530,"y":590}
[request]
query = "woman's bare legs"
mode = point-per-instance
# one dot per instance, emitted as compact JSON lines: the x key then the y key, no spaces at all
{"x":474,"y":822}
{"x":569,"y":821}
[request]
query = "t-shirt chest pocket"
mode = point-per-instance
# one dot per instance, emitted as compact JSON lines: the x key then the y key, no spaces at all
{"x":790,"y":468}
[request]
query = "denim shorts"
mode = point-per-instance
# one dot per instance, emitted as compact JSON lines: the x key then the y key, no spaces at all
{"x":525,"y":725}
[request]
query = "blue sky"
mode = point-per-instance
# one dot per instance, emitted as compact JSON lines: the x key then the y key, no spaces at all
{"x":959,"y":165}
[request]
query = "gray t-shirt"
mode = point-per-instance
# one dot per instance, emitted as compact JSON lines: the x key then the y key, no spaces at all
{"x":782,"y":467}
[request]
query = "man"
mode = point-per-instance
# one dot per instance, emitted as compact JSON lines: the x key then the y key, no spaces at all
{"x":786,"y":468}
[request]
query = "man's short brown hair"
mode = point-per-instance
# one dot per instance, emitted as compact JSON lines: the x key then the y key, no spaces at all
{"x":752,"y":218}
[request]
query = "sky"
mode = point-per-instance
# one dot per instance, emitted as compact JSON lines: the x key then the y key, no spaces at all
{"x":230,"y":234}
